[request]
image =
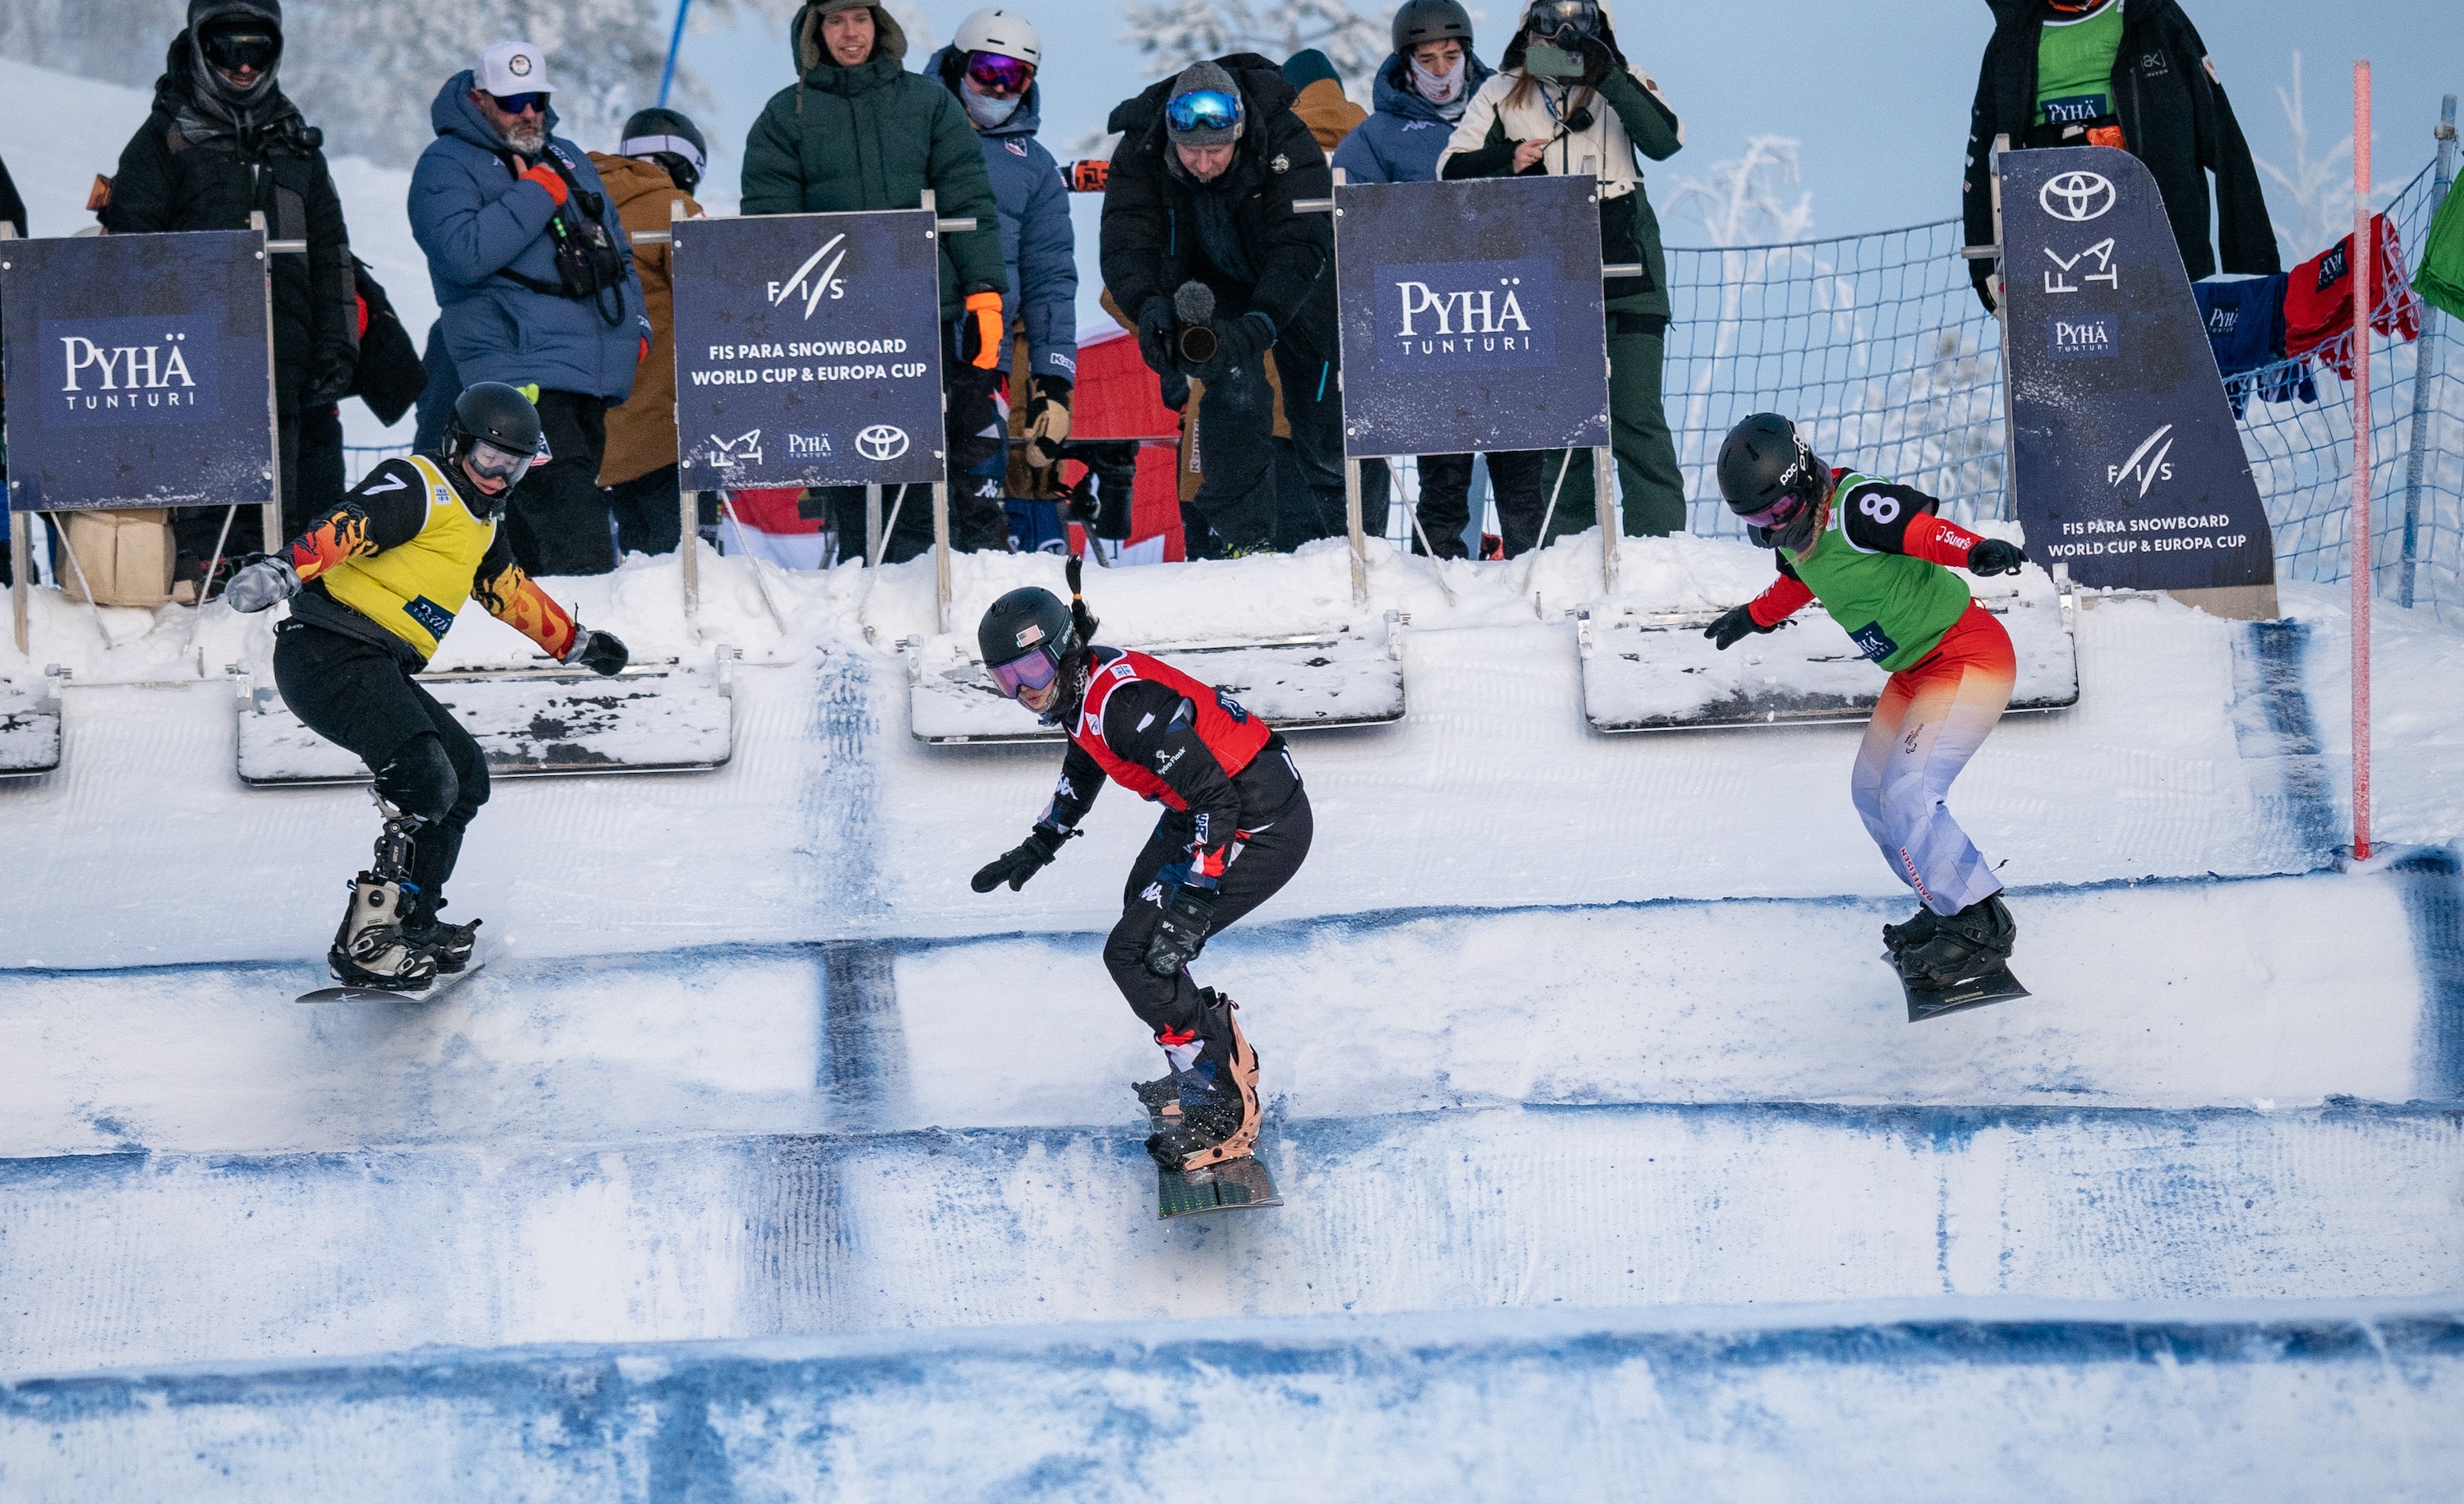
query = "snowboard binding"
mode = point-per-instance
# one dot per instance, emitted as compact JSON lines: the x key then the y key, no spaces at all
{"x":372,"y":948}
{"x":1222,"y":1123}
{"x":1961,"y":960}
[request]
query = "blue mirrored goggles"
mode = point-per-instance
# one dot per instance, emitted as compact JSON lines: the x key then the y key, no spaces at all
{"x":521,"y":103}
{"x":1204,"y":109}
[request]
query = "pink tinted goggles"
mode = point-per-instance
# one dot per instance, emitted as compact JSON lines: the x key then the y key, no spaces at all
{"x":1035,"y":671}
{"x":1778,"y":512}
{"x":1000,"y":72}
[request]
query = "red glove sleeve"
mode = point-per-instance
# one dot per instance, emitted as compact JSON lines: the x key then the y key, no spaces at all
{"x":645,"y":351}
{"x":546,"y":177}
{"x":1786,"y":596}
{"x":364,"y":314}
{"x":1936,"y":541}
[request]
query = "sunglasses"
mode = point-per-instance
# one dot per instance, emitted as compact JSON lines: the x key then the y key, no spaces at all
{"x":521,"y":103}
{"x":233,"y":50}
{"x":999,"y":73}
{"x":1204,"y":109}
{"x":491,"y":463}
{"x":1035,"y":671}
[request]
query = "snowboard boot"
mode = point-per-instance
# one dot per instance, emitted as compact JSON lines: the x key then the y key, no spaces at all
{"x":450,"y":944}
{"x":1219,"y":1098}
{"x":1963,"y":947}
{"x":370,"y":949}
{"x":1915,"y":930}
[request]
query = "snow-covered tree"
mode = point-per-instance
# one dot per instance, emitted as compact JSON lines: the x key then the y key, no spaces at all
{"x":1172,"y":34}
{"x":2311,"y":204}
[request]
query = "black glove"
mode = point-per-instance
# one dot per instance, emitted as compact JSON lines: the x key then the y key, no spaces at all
{"x":1599,"y":60}
{"x":1021,"y":861}
{"x":1181,"y":933}
{"x":1173,"y":390}
{"x":599,"y":651}
{"x":1237,"y":344}
{"x":1993,"y":556}
{"x":330,"y":381}
{"x":1733,"y":625}
{"x":1155,"y":323}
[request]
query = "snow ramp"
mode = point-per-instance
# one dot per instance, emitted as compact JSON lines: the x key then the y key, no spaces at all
{"x":771,"y":1162}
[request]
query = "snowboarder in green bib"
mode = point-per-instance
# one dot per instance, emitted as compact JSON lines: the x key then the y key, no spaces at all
{"x":1878,"y":558}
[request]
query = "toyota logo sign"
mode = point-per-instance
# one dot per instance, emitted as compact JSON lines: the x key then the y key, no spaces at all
{"x":881,"y":441}
{"x":2076,"y":197}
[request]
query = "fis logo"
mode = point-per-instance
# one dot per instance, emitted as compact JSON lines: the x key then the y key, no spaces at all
{"x":812,"y":285}
{"x":745,"y":449}
{"x":2146,"y":464}
{"x":1481,"y":315}
{"x":129,"y":371}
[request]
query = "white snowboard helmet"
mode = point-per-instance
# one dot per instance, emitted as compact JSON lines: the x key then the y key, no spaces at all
{"x":997,"y":31}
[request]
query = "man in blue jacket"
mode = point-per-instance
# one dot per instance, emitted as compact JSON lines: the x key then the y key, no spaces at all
{"x":535,"y":287}
{"x":1421,"y":93}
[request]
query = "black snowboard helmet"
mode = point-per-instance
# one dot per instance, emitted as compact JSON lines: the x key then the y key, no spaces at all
{"x":1770,"y":477}
{"x":496,"y":430}
{"x":1422,"y":21}
{"x":668,"y":138}
{"x":1029,"y":641}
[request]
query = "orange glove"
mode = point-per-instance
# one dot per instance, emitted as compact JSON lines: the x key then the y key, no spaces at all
{"x":645,"y":351}
{"x":987,"y":335}
{"x":1090,"y":176}
{"x":546,"y":177}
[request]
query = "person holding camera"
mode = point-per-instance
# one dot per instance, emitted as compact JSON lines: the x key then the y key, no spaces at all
{"x":1565,"y":100}
{"x":535,"y":288}
{"x":1201,"y":244}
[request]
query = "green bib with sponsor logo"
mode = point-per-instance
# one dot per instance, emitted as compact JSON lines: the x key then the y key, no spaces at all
{"x":2075,"y":66}
{"x":1893,"y":607}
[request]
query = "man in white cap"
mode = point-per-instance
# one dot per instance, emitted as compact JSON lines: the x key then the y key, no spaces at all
{"x":535,"y":287}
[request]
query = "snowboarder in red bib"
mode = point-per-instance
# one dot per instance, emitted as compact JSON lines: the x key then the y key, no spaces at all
{"x":1878,"y":558}
{"x":1236,"y":826}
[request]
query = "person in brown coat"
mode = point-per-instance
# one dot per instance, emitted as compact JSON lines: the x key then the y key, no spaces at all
{"x":658,"y":162}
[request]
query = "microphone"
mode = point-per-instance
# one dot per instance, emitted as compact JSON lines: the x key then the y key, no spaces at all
{"x":1194,"y":305}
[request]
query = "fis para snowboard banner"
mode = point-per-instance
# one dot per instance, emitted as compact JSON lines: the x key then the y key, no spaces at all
{"x":141,"y":369}
{"x":808,"y":350}
{"x":2128,"y":466}
{"x":1471,"y":316}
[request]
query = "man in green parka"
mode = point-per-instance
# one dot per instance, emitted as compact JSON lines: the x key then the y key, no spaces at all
{"x":857,"y":131}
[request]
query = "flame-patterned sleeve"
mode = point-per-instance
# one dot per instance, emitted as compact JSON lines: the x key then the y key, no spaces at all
{"x":516,"y":599}
{"x":385,"y":510}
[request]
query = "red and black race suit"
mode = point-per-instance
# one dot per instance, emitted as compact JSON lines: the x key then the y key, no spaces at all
{"x":1174,"y":740}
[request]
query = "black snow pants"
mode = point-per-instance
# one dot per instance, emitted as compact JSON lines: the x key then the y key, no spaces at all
{"x":361,"y":697}
{"x":1274,"y":843}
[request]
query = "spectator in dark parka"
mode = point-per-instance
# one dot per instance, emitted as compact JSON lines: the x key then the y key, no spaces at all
{"x":13,"y":208}
{"x":2088,"y":72}
{"x":1203,"y":189}
{"x":535,"y":288}
{"x":857,"y":131}
{"x":224,"y":141}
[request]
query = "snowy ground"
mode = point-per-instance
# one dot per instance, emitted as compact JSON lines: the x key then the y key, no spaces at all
{"x":1584,"y":1077}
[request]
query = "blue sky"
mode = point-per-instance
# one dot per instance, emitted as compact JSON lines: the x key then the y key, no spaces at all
{"x":1876,"y":94}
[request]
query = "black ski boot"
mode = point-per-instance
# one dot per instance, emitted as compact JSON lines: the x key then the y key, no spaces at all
{"x":1218,"y":1116}
{"x":1964,"y":946}
{"x":370,"y":949}
{"x":1914,"y":930}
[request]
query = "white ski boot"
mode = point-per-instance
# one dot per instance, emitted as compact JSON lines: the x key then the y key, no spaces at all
{"x":370,"y":949}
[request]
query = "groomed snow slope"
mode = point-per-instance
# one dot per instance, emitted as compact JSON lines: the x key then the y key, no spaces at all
{"x":1584,"y":1076}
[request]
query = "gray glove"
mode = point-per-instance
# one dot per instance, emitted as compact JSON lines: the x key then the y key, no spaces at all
{"x":267,"y":582}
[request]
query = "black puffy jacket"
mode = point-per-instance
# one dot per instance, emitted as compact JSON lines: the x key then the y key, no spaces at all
{"x":166,"y":181}
{"x":2174,"y":119}
{"x":1150,"y":219}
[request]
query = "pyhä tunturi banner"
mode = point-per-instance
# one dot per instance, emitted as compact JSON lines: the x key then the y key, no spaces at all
{"x":140,"y":370}
{"x":1471,"y":316}
{"x":2129,"y":468}
{"x":808,"y":350}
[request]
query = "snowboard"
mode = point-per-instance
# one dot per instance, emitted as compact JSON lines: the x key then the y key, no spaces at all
{"x":1233,"y":1186}
{"x":1994,"y":986}
{"x":446,"y":982}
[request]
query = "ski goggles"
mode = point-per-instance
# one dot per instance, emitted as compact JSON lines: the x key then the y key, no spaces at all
{"x":1776,"y":514}
{"x":1204,"y":109}
{"x":490,"y":463}
{"x":1035,"y":671}
{"x":996,"y":72}
{"x":1563,"y":18}
{"x":521,"y":103}
{"x":233,"y":50}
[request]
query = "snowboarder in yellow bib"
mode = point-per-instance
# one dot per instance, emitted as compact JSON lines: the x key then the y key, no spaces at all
{"x":374,"y":585}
